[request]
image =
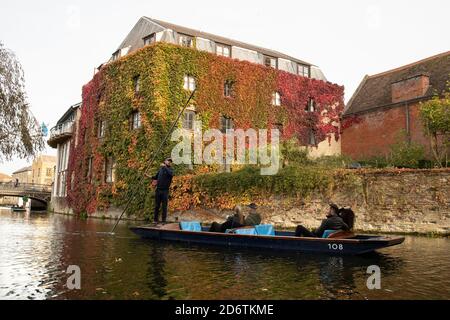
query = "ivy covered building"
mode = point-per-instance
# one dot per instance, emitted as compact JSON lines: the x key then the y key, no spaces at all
{"x":130,"y":104}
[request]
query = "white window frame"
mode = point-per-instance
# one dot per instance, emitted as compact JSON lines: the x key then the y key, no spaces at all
{"x":150,"y":39}
{"x":136,"y":120}
{"x":226,"y":123}
{"x":276,"y":99}
{"x":188,"y":119}
{"x":189,"y":83}
{"x":301,"y":70}
{"x":273,"y":61}
{"x":185,"y":40}
{"x":101,"y":129}
{"x":221,"y":50}
{"x":110,"y":166}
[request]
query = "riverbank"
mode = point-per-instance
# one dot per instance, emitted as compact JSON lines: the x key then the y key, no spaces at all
{"x":400,"y":201}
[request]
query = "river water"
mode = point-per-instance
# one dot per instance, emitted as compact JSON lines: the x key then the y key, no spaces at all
{"x":36,"y":250}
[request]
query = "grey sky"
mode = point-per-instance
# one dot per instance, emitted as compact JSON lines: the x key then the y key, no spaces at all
{"x":59,"y":43}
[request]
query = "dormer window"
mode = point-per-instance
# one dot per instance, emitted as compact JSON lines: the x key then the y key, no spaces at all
{"x":270,"y":62}
{"x":150,"y":39}
{"x":189,"y":83}
{"x":223,"y":50}
{"x":116,"y":55}
{"x":276,"y":99}
{"x":228,"y":88}
{"x":303,"y":70}
{"x":185,"y":41}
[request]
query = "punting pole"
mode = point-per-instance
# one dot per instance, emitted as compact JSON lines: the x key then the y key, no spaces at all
{"x":154,"y":158}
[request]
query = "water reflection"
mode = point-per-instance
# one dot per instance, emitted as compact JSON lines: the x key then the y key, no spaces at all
{"x":35,"y":252}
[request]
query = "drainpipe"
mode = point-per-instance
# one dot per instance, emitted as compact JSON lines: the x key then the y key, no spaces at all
{"x":408,"y":123}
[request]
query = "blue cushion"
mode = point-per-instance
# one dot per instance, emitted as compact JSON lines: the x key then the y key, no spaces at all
{"x":191,"y":226}
{"x":265,"y":230}
{"x":250,"y":231}
{"x":327,"y":233}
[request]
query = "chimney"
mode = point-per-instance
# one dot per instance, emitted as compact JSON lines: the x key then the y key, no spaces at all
{"x":410,"y":88}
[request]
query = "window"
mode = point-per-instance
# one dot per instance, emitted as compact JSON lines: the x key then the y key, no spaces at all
{"x":223,"y":50}
{"x":312,"y":138}
{"x":89,"y":168}
{"x":189,"y":83}
{"x":276,"y":99}
{"x":226,"y":123}
{"x":110,"y":166}
{"x":310,"y":106}
{"x":150,"y":39}
{"x":188,"y":120}
{"x":303,"y":70}
{"x":135,"y":120}
{"x":49,"y":172}
{"x":136,"y":84}
{"x":228,"y":88}
{"x":185,"y":41}
{"x":270,"y":62}
{"x":101,"y":129}
{"x":116,"y":55}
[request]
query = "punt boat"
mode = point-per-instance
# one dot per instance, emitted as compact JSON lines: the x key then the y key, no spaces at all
{"x":266,"y":237}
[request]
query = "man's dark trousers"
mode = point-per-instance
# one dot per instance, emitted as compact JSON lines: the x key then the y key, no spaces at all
{"x":161,"y":198}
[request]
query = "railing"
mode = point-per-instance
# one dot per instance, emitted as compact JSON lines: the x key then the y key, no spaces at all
{"x":60,"y":129}
{"x":25,"y":187}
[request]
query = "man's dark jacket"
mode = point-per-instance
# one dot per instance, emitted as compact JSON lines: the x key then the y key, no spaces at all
{"x":164,"y":177}
{"x":331,"y":223}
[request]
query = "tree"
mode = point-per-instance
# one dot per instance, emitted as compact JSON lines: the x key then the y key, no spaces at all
{"x":435,"y":115}
{"x":20,"y":133}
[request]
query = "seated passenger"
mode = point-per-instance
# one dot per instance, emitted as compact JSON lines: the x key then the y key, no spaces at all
{"x":234,"y":221}
{"x":332,"y":222}
{"x":348,"y":216}
{"x":254,"y":218}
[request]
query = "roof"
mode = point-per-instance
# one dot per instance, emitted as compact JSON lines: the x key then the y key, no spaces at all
{"x":25,"y":169}
{"x":68,"y":113}
{"x":4,"y":177}
{"x":375,"y":91}
{"x":223,"y":40}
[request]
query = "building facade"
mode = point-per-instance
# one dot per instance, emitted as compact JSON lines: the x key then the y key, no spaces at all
{"x":24,"y":175}
{"x":43,"y":169}
{"x":60,"y":139}
{"x":384,"y":110}
{"x":133,"y":99}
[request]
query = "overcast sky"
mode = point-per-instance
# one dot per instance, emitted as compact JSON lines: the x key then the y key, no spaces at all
{"x":60,"y":42}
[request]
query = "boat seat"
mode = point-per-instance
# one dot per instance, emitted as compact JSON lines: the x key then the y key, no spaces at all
{"x":191,"y":226}
{"x":328,"y":233}
{"x":243,"y":230}
{"x":265,"y":230}
{"x":341,"y":235}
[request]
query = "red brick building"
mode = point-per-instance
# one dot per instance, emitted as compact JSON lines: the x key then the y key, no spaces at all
{"x":385,"y":107}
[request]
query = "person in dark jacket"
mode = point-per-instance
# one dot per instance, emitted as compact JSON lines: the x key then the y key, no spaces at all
{"x":163,"y":180}
{"x":332,"y":222}
{"x":234,"y":221}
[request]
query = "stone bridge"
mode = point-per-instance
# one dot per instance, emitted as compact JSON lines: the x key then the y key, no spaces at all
{"x":37,"y":192}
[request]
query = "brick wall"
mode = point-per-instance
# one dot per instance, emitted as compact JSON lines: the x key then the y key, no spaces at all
{"x":378,"y":130}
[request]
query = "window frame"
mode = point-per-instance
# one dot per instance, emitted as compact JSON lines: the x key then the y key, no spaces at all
{"x":136,"y":121}
{"x":303,"y":67}
{"x":223,"y":46}
{"x":189,"y":83}
{"x":116,"y":55}
{"x":270,"y":64}
{"x":228,"y":121}
{"x":101,"y":128}
{"x":276,"y":99}
{"x":151,"y":38}
{"x":136,"y":84}
{"x":228,"y":88}
{"x":110,"y":165}
{"x":182,"y":36}
{"x":190,"y":122}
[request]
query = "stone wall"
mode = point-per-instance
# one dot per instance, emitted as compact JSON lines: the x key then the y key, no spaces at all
{"x":397,"y":201}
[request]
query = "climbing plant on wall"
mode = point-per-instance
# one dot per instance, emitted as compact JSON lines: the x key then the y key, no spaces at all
{"x":112,"y":96}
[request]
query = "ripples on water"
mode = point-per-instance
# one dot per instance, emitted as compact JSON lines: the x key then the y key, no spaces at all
{"x":36,"y":249}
